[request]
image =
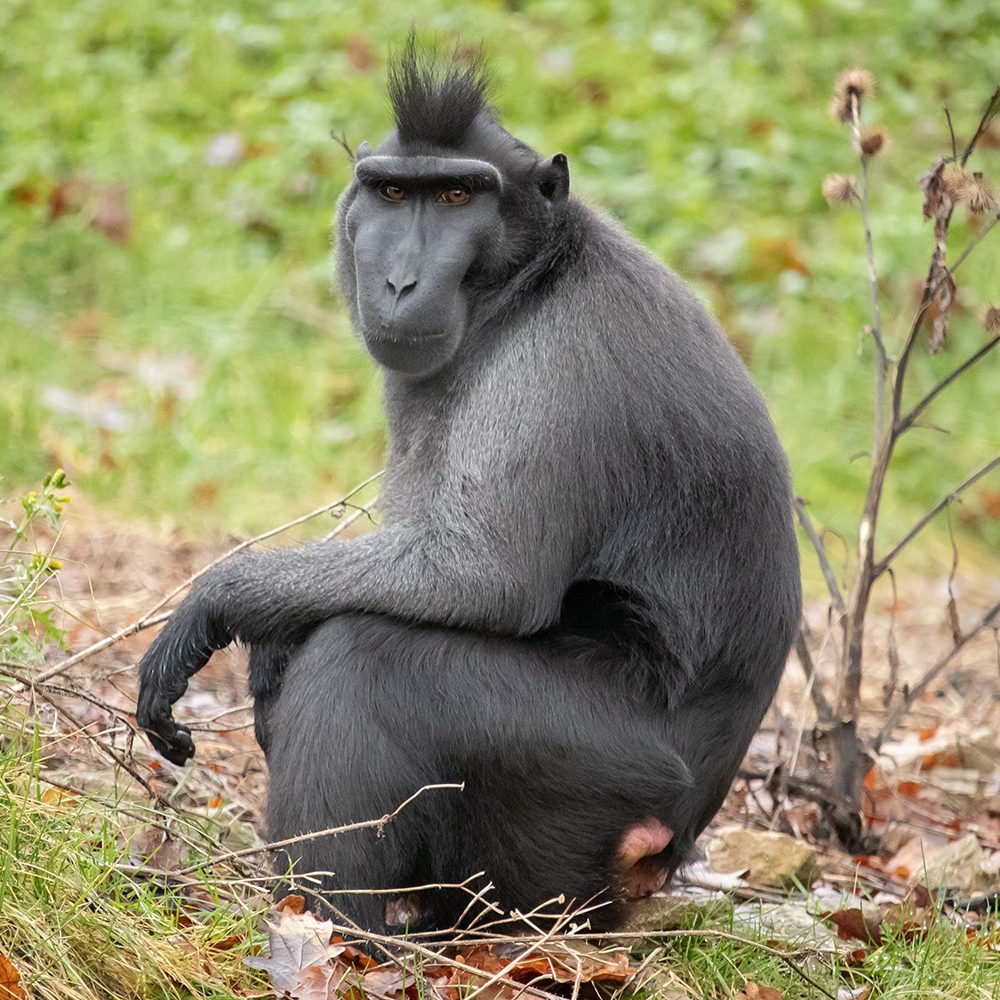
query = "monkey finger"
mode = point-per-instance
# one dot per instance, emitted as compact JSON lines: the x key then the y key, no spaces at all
{"x":173,"y":741}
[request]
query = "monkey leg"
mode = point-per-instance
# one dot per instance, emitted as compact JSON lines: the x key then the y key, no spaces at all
{"x":560,"y":761}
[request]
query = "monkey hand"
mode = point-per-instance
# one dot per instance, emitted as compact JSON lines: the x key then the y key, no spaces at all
{"x":181,"y":649}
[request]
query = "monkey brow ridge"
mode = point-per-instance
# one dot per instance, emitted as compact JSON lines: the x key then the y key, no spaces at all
{"x":475,"y":174}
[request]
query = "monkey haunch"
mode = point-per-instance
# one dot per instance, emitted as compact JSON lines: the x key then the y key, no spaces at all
{"x":586,"y":584}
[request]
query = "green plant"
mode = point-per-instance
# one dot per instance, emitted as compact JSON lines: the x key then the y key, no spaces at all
{"x":27,"y":625}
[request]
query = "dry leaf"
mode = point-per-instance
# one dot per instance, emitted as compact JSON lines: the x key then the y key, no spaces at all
{"x":937,"y":200}
{"x":753,"y":991}
{"x":10,"y":981}
{"x":296,"y":941}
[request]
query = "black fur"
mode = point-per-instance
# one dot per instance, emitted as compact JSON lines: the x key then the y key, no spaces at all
{"x":586,"y":583}
{"x":431,"y":107}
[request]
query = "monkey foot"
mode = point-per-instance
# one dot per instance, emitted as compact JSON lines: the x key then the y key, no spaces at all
{"x":642,"y":875}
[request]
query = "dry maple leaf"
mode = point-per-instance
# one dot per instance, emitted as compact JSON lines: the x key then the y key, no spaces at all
{"x":296,"y":942}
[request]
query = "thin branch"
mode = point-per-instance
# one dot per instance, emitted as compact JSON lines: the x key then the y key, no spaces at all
{"x":992,"y":108}
{"x":150,"y":618}
{"x":931,"y":675}
{"x":969,"y":247}
{"x":330,"y":832}
{"x":951,"y":132}
{"x":906,"y":422}
{"x":882,"y":362}
{"x":824,"y":710}
{"x":880,"y":567}
{"x":824,"y":563}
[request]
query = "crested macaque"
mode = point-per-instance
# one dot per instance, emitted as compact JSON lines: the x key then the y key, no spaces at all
{"x":586,"y":583}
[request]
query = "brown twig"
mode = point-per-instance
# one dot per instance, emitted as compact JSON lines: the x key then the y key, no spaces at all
{"x":914,"y":692}
{"x":150,"y":618}
{"x":824,"y":710}
{"x":883,"y":564}
{"x":332,"y":831}
{"x":824,"y":562}
{"x":882,"y":361}
{"x":904,"y":423}
{"x":992,"y":109}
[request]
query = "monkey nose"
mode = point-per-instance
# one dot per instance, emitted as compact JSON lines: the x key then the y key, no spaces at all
{"x":400,"y":287}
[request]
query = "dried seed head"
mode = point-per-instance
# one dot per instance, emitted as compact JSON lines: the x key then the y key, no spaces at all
{"x":981,"y":196}
{"x":973,"y":189}
{"x":956,"y":183}
{"x":992,"y":319}
{"x":839,"y":189}
{"x":852,"y":85}
{"x":872,"y":141}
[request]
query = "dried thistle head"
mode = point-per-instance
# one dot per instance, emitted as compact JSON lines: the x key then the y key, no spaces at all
{"x":852,"y":85}
{"x":872,"y":141}
{"x":992,"y":319}
{"x":956,"y":183}
{"x":981,"y":196}
{"x":839,"y":189}
{"x":971,"y":188}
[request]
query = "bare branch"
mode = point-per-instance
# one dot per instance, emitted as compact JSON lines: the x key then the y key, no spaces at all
{"x":972,"y":244}
{"x":882,"y":361}
{"x":931,"y":675}
{"x":992,"y":108}
{"x":881,"y":566}
{"x":906,"y":422}
{"x":330,"y":832}
{"x":150,"y":618}
{"x":824,"y":563}
{"x":951,"y":132}
{"x":824,"y":711}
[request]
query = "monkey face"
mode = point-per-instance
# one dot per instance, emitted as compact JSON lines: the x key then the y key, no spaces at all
{"x":416,"y":229}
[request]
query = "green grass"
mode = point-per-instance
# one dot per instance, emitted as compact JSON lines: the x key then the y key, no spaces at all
{"x":79,"y":923}
{"x":225,"y":389}
{"x":945,"y":963}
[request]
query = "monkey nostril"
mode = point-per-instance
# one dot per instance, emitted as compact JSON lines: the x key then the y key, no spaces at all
{"x":400,"y":288}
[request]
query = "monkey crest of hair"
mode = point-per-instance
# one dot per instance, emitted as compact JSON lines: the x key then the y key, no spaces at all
{"x":435,"y":106}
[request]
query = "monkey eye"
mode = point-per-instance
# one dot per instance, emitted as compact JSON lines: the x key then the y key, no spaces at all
{"x":392,"y":192}
{"x":454,"y":196}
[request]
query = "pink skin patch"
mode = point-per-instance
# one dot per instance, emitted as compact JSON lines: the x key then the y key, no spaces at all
{"x":641,"y":875}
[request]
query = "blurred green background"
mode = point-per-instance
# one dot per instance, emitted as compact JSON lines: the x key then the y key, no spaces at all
{"x":167,"y":179}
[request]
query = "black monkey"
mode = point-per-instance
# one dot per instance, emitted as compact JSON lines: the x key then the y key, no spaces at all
{"x":586,"y":583}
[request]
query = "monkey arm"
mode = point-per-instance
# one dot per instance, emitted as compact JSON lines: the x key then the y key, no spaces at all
{"x":458,"y":573}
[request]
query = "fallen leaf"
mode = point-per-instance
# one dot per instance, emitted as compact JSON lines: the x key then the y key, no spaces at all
{"x":296,"y":940}
{"x":10,"y":981}
{"x":562,"y":962}
{"x":59,"y":797}
{"x":332,"y":981}
{"x":909,"y":919}
{"x":753,"y":991}
{"x":570,"y":963}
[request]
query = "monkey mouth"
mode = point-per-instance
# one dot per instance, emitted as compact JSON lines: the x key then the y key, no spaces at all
{"x":389,"y":333}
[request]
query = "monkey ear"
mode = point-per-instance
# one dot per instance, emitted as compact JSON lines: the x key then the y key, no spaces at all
{"x":363,"y":152}
{"x":553,"y":178}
